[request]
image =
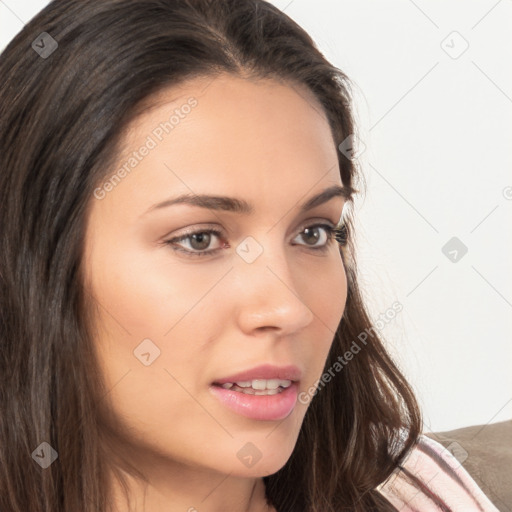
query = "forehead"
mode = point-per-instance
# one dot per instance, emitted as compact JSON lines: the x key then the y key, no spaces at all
{"x":225,"y":135}
{"x":262,"y":114}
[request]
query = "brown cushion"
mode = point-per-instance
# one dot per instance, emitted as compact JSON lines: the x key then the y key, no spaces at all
{"x":489,"y":457}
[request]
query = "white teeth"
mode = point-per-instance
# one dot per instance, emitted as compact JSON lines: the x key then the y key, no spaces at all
{"x":251,"y":391}
{"x":260,"y":385}
{"x":266,"y":392}
{"x":265,"y":384}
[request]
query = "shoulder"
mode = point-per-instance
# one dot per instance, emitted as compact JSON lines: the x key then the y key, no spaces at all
{"x":431,"y":478}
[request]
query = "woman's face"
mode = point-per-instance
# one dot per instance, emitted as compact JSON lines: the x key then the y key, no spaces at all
{"x":171,"y":321}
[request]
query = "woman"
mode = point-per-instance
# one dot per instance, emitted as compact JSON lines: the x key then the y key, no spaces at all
{"x":182,"y":327}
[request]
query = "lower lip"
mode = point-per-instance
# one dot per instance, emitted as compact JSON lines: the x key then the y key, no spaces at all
{"x":259,"y":407}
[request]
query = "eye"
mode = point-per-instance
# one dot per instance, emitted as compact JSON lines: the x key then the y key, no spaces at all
{"x":200,"y":240}
{"x":318,"y":233}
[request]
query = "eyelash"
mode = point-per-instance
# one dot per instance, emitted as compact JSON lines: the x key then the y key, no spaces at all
{"x":338,"y":233}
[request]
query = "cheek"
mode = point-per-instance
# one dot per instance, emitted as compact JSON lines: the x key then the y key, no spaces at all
{"x":161,"y":309}
{"x":326,"y":298}
{"x":146,"y":292}
{"x":141,"y":308}
{"x":327,"y":293}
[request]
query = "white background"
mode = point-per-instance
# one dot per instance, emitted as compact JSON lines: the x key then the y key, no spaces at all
{"x":436,"y":129}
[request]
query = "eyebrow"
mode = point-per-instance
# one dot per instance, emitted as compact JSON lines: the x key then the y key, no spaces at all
{"x":231,"y":204}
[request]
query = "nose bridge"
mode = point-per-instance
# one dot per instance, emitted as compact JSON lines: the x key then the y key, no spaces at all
{"x":261,"y":252}
{"x":270,"y":296}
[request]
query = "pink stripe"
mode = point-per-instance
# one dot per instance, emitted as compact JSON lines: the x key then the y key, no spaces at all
{"x":436,"y":472}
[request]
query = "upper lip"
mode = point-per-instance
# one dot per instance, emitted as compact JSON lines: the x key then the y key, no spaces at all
{"x":264,"y":371}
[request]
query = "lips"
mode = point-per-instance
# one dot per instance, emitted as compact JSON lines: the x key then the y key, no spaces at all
{"x":263,"y":372}
{"x":272,"y":407}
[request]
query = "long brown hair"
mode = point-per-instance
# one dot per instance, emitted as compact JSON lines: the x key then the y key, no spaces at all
{"x":72,"y":80}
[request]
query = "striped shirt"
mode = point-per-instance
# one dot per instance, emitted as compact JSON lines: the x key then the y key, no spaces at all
{"x":441,"y":482}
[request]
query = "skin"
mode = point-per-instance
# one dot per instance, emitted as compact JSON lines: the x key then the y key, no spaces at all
{"x":268,"y":143}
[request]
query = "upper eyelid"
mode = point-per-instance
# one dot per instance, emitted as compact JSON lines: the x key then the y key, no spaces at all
{"x":328,"y":226}
{"x":222,"y":231}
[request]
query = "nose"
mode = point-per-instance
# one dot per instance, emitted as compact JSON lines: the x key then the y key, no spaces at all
{"x":270,"y":296}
